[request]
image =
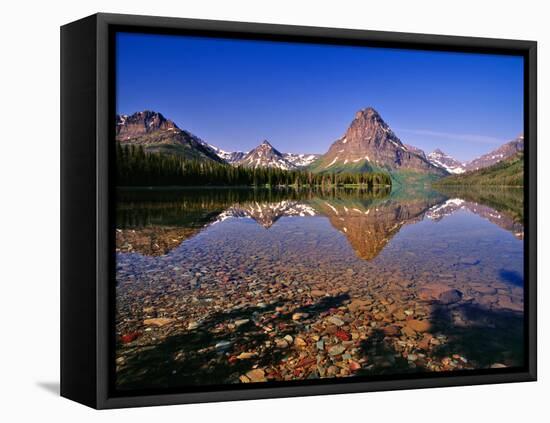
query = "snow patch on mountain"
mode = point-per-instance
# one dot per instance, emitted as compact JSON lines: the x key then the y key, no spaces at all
{"x":443,"y":160}
{"x":265,"y":155}
{"x":300,"y":160}
{"x":501,"y":153}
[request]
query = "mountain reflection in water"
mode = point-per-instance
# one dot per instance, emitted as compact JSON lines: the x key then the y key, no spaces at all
{"x":242,"y":286}
{"x":155,"y":222}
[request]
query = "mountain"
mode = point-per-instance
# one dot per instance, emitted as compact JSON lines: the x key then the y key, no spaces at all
{"x":441,"y":159}
{"x":300,"y":160}
{"x":415,"y":150}
{"x":234,"y":157}
{"x":507,"y":172}
{"x":495,"y":156}
{"x":155,"y":133}
{"x":231,"y":157}
{"x":265,"y":155}
{"x":370,"y":144}
{"x":453,"y":166}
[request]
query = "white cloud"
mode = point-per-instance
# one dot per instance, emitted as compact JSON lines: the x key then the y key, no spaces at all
{"x":473,"y":138}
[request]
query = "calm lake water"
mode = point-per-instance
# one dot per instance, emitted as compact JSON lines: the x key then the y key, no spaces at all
{"x":242,"y":286}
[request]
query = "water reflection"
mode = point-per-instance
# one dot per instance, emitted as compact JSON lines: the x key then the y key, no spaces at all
{"x":501,"y":206}
{"x":155,"y":222}
{"x":242,"y":286}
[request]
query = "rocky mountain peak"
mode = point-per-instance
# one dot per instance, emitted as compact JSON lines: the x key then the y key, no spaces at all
{"x":265,"y":155}
{"x":501,"y":153}
{"x":367,"y":113}
{"x":156,"y":134}
{"x":416,"y":150}
{"x":266,"y":146}
{"x":441,"y":159}
{"x":141,"y":123}
{"x":369,"y":122}
{"x":369,"y":143}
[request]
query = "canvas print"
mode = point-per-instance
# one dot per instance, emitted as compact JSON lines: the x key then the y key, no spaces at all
{"x":290,"y":212}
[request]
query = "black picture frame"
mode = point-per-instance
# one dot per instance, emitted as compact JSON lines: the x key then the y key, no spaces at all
{"x":87,"y":258}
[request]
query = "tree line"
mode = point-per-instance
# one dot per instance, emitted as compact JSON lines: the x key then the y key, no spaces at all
{"x":136,"y":167}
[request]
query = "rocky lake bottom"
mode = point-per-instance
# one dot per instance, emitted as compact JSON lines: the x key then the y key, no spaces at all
{"x":228,"y":286}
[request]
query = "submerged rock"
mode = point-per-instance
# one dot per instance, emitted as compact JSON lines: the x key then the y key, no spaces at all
{"x":451,"y":296}
{"x":159,"y":321}
{"x":419,"y":325}
{"x":336,"y":350}
{"x":256,"y":375}
{"x":335,"y":321}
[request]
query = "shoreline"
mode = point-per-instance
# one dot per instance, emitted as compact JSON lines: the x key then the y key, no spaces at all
{"x":253,"y":187}
{"x":478,"y":186}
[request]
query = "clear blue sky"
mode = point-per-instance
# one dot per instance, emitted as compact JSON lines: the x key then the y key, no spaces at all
{"x":302,"y":97}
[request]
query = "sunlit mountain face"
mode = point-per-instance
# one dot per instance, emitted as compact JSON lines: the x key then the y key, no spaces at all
{"x":369,"y":143}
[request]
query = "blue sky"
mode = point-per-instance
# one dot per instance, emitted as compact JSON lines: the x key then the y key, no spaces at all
{"x":302,"y":97}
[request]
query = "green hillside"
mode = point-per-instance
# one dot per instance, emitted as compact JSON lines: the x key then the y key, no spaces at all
{"x":509,"y":173}
{"x":400,"y":179}
{"x":175,"y":143}
{"x":320,"y":166}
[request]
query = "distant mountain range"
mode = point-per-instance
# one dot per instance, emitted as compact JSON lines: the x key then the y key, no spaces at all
{"x":369,"y":144}
{"x":231,"y":157}
{"x":507,"y":172}
{"x":279,"y":160}
{"x":265,"y":155}
{"x":156,"y":134}
{"x":301,"y":160}
{"x":503,"y":152}
{"x":450,"y":164}
{"x":453,"y":166}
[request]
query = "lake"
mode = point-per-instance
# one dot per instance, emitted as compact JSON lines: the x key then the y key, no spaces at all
{"x":217,"y":286}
